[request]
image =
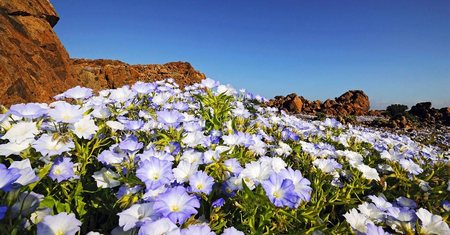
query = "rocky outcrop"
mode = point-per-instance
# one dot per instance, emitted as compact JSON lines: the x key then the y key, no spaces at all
{"x":354,"y":102}
{"x":101,"y":74}
{"x":34,"y":66}
{"x":424,"y":112}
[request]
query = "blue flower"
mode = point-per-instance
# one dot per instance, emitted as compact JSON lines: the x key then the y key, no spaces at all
{"x":61,"y":223}
{"x":197,"y":230}
{"x":176,"y":204}
{"x":62,"y":169}
{"x":8,"y":177}
{"x":218,"y":203}
{"x":161,"y":226}
{"x":30,"y":110}
{"x":155,"y":173}
{"x":131,"y":145}
{"x":375,"y":230}
{"x":280,"y":191}
{"x":170,"y":118}
{"x":201,"y":182}
{"x":301,"y":184}
{"x":136,"y":215}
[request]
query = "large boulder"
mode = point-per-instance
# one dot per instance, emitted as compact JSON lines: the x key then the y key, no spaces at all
{"x":101,"y":74}
{"x":355,"y":102}
{"x":34,"y":65}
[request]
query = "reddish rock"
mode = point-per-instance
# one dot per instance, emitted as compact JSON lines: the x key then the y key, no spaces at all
{"x":293,"y":103}
{"x":101,"y":74}
{"x":34,"y":66}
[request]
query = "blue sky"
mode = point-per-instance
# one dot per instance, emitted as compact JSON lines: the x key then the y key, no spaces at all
{"x":396,"y":51}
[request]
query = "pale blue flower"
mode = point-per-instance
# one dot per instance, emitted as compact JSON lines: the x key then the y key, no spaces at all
{"x":280,"y":191}
{"x":375,"y":230}
{"x":77,"y":93}
{"x":197,"y":230}
{"x":49,"y":146}
{"x":170,"y":118}
{"x":27,"y":174}
{"x":61,"y":223}
{"x":155,"y":173}
{"x":161,"y":226}
{"x":176,"y":204}
{"x":232,"y":231}
{"x":201,"y":182}
{"x":301,"y":184}
{"x":62,"y":169}
{"x":30,"y":110}
{"x":65,"y":112}
{"x":137,"y":215}
{"x":8,"y":177}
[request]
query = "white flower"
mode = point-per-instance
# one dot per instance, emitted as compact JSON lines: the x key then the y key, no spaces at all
{"x":381,"y":202}
{"x":193,"y":157}
{"x":183,"y":171}
{"x":106,"y":178}
{"x":357,"y":220}
{"x":371,"y":211}
{"x":130,"y":217}
{"x":195,"y":138}
{"x":14,"y":148}
{"x":115,"y":125}
{"x":27,"y":175}
{"x":284,"y":149}
{"x":410,"y":166}
{"x":21,"y":131}
{"x":61,"y":223}
{"x":432,"y":224}
{"x":85,"y":128}
{"x":369,"y":172}
{"x":257,"y":171}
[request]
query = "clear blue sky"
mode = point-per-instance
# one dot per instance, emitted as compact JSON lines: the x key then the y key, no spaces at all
{"x":396,"y":51}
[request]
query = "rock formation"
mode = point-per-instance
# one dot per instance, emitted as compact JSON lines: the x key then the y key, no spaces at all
{"x":101,"y":74}
{"x":34,"y":65}
{"x":353,"y":102}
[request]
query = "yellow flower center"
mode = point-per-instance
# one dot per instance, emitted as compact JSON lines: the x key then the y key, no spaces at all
{"x":276,"y":194}
{"x":59,"y":232}
{"x":200,"y":186}
{"x":175,"y":208}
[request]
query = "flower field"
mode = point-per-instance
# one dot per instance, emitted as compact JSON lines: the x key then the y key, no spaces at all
{"x":152,"y":158}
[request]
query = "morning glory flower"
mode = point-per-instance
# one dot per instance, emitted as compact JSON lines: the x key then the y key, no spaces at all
{"x":62,"y":169}
{"x":280,"y":191}
{"x":283,"y":149}
{"x":161,"y":226}
{"x":301,"y":184}
{"x":131,"y":145}
{"x":209,"y":83}
{"x":327,"y":165}
{"x":65,"y":112}
{"x":61,"y":223}
{"x":27,"y":174}
{"x":106,"y":178}
{"x":406,"y":202}
{"x":381,"y":202}
{"x":170,"y":118}
{"x":161,"y":98}
{"x":183,"y":171}
{"x":256,"y":171}
{"x":26,"y":203}
{"x":233,"y":166}
{"x":137,"y":215}
{"x":192,"y":156}
{"x":431,"y":224}
{"x":375,"y":230}
{"x":155,"y":172}
{"x":198,"y":230}
{"x":12,"y":148}
{"x":110,"y":157}
{"x":77,"y":93}
{"x":47,"y":145}
{"x":122,"y":94}
{"x":218,"y":203}
{"x":192,"y":139}
{"x":85,"y":128}
{"x":114,"y":125}
{"x":357,"y":220}
{"x":176,"y":204}
{"x":143,"y":87}
{"x":368,"y":172}
{"x":410,"y":166}
{"x":8,"y":177}
{"x":21,"y":131}
{"x":232,"y":231}
{"x":371,"y":211}
{"x":30,"y":110}
{"x":201,"y":182}
{"x":133,"y":125}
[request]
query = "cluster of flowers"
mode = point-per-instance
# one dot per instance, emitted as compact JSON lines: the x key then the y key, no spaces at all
{"x":162,"y":160}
